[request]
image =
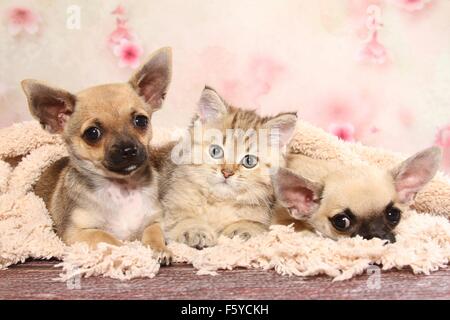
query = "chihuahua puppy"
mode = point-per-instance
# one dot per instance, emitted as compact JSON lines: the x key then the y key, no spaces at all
{"x":339,"y":200}
{"x":106,"y":190}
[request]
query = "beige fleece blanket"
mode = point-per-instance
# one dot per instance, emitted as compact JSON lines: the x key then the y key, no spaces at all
{"x":423,"y":239}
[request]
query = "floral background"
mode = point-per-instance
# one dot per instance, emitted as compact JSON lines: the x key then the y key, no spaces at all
{"x":373,"y":71}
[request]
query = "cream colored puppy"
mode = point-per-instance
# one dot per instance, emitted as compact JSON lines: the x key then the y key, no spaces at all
{"x":341,"y":200}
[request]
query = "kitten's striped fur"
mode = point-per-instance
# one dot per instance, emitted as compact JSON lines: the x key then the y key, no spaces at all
{"x":199,"y":203}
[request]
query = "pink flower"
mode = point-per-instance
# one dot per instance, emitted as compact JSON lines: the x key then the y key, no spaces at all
{"x":119,"y":10}
{"x":241,"y":80}
{"x":4,"y":88}
{"x":373,"y":20}
{"x":443,"y":137}
{"x":263,"y":71}
{"x":128,"y":53}
{"x":443,"y":141}
{"x":344,"y":131}
{"x":411,"y":5}
{"x":374,"y":129}
{"x":120,"y":33}
{"x":21,"y":18}
{"x":123,"y":43}
{"x":373,"y":51}
{"x":406,"y":116}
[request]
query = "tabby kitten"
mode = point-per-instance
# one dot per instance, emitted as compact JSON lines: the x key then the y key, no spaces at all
{"x":224,"y":187}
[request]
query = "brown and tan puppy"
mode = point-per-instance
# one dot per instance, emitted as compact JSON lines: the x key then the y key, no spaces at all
{"x":342,"y":200}
{"x":106,"y":190}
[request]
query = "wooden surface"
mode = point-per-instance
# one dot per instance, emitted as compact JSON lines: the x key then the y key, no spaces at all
{"x":33,"y":280}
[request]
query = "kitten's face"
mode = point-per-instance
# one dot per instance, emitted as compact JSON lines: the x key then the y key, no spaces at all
{"x":234,"y":165}
{"x":236,"y":149}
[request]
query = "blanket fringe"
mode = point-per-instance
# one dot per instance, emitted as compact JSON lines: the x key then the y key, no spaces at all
{"x":423,"y":240}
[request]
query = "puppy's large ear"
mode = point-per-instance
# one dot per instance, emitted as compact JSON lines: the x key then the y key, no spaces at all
{"x":152,"y":80}
{"x":51,"y":106}
{"x":413,"y":173}
{"x":211,"y":106}
{"x":301,"y":196}
{"x":281,"y":127}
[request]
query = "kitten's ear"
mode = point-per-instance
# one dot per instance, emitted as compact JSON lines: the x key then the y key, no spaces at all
{"x":301,"y":196}
{"x":51,"y":106}
{"x":413,"y":173}
{"x":152,"y":80}
{"x":211,"y":106}
{"x":281,"y":127}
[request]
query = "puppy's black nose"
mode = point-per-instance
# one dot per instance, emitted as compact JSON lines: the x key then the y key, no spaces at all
{"x":125,"y":156}
{"x":128,"y":152}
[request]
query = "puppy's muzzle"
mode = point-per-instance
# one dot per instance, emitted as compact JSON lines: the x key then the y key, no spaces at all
{"x":376,"y":230}
{"x":381,"y":235}
{"x":125,"y":157}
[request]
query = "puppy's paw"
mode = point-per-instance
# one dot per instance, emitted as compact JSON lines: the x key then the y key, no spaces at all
{"x":92,"y":237}
{"x":164,"y":256}
{"x":198,"y":238}
{"x":112,"y":241}
{"x":244,"y":231}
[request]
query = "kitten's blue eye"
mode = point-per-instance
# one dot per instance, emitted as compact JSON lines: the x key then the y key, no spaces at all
{"x":249,"y":161}
{"x":216,"y":151}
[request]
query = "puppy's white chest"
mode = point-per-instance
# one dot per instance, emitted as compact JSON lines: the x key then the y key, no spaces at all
{"x":127,"y":212}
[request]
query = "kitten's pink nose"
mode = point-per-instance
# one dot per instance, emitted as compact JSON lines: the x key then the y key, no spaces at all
{"x":227,"y":173}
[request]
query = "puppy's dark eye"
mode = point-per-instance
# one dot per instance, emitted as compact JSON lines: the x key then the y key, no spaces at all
{"x":392,"y":214}
{"x":249,"y":161}
{"x":92,"y":134}
{"x":341,"y":221}
{"x":140,"y":121}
